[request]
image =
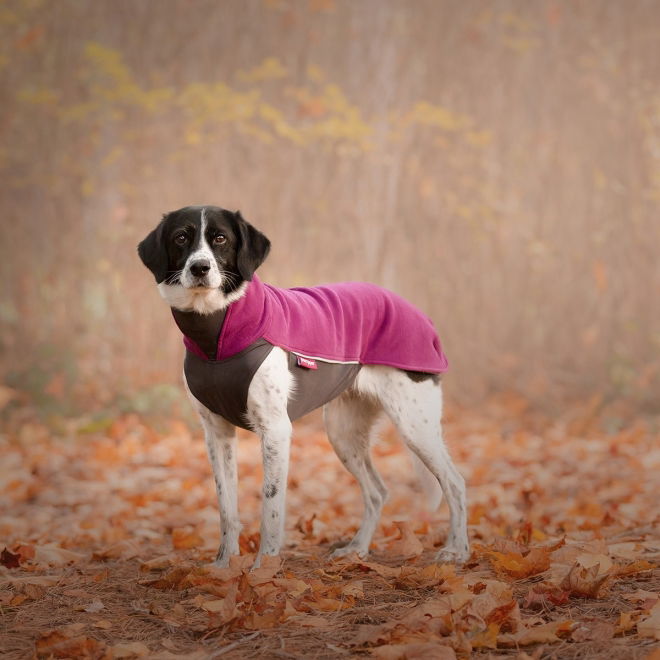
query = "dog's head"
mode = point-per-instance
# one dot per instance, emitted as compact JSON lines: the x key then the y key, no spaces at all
{"x":201,"y":257}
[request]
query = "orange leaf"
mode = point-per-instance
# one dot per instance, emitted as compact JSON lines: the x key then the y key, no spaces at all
{"x":65,"y":643}
{"x":544,"y":634}
{"x":585,"y":582}
{"x":487,"y":639}
{"x":515,"y":565}
{"x":650,"y":626}
{"x":184,"y":539}
{"x":407,"y":545}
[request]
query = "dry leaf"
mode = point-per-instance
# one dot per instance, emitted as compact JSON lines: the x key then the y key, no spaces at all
{"x":104,"y":624}
{"x":586,"y":582}
{"x":544,"y":594}
{"x":407,"y":545}
{"x":639,"y":566}
{"x":546,"y":633}
{"x":130,"y":650}
{"x":414,"y":651}
{"x":647,"y":598}
{"x":65,"y":643}
{"x":125,"y":549}
{"x":518,"y":566}
{"x":52,"y":555}
{"x":486,"y":639}
{"x":381,"y":569}
{"x":172,"y":579}
{"x":593,"y":630}
{"x":650,"y":626}
{"x":158,"y":563}
{"x":185,"y":539}
{"x":9,"y":559}
{"x":34,"y":580}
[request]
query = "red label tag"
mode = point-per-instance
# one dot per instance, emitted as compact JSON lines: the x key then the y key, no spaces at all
{"x":306,"y":362}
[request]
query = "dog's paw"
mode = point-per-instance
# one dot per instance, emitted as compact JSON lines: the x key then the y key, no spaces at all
{"x":349,"y":549}
{"x":453,"y":555}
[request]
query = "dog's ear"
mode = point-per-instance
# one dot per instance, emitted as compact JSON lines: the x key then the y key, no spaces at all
{"x":253,"y":247}
{"x":153,"y":253}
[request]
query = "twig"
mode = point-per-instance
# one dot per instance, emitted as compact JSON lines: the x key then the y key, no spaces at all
{"x":233,"y":645}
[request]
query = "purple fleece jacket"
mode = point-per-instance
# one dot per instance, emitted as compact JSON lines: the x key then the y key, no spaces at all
{"x":347,"y":322}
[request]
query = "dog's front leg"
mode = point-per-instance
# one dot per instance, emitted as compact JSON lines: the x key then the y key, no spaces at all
{"x":267,"y":413}
{"x":220,"y":437}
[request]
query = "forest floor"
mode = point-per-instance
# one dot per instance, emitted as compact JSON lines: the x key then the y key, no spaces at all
{"x":108,"y":526}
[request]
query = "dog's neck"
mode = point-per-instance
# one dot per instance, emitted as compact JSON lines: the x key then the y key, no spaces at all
{"x":203,"y":329}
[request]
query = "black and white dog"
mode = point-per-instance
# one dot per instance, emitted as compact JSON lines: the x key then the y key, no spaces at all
{"x":203,"y":260}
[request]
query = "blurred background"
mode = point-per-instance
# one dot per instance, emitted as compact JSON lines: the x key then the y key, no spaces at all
{"x":496,"y":162}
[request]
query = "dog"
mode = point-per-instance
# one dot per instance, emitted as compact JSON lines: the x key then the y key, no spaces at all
{"x":257,"y":357}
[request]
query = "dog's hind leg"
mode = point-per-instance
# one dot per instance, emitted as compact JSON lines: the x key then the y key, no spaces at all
{"x":220,"y":438}
{"x":416,"y":410}
{"x":349,"y":420}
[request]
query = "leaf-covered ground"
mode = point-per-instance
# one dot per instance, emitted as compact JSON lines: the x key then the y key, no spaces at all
{"x":107,"y":531}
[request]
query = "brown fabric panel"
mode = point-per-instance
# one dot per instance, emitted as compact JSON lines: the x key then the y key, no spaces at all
{"x":203,"y":329}
{"x":315,"y":387}
{"x":222,"y":385}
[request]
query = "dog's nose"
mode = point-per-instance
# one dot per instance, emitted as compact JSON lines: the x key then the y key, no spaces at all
{"x":200,"y":268}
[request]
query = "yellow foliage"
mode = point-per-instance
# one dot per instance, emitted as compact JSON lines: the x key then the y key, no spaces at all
{"x":113,"y":83}
{"x":38,"y":96}
{"x":435,"y":115}
{"x":270,"y":69}
{"x":217,"y":102}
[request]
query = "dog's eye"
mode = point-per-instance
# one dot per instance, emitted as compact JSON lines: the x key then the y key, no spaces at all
{"x":219,"y":239}
{"x":181,"y":239}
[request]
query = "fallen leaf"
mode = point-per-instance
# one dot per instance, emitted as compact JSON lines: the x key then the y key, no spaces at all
{"x":407,"y":545}
{"x":486,"y":639}
{"x":9,"y":559}
{"x":126,"y":549}
{"x":650,"y":626}
{"x":586,"y":582}
{"x":546,"y":633}
{"x":104,"y":624}
{"x":355,"y":589}
{"x":270,"y":566}
{"x":627,"y":621}
{"x":518,"y":566}
{"x":130,"y":650}
{"x":158,"y":563}
{"x":65,"y":643}
{"x":52,"y":555}
{"x":34,"y":580}
{"x":542,"y":594}
{"x":648,"y":598}
{"x":381,"y":569}
{"x":224,"y":609}
{"x":292,"y":586}
{"x":185,"y":539}
{"x":172,"y":579}
{"x":593,"y":630}
{"x":414,"y":651}
{"x":638,"y":566}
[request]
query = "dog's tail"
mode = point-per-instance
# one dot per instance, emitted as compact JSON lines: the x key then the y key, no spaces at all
{"x":429,"y":484}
